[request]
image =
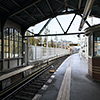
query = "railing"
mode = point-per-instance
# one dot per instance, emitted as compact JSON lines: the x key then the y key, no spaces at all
{"x":40,"y":53}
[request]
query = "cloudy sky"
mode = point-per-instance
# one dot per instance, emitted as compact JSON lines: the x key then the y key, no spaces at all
{"x":65,"y":20}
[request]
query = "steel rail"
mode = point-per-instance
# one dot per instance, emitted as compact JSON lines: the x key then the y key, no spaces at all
{"x":33,"y":76}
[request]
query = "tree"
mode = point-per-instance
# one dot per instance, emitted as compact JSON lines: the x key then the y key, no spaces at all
{"x":39,"y":41}
{"x":32,"y":40}
{"x":45,"y":40}
{"x":56,"y":39}
{"x":46,"y":32}
{"x":52,"y":43}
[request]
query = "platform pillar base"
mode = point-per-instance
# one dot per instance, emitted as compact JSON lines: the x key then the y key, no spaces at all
{"x":94,"y":67}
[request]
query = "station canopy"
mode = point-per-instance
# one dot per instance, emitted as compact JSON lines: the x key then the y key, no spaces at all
{"x":30,"y":12}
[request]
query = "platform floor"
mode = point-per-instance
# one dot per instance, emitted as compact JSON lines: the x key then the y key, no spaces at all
{"x":70,"y":82}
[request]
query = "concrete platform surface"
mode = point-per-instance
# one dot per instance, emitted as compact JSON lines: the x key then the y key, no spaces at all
{"x":71,"y":82}
{"x":83,"y":87}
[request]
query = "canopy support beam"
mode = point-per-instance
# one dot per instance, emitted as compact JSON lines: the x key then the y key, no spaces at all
{"x":70,"y":24}
{"x":45,"y":26}
{"x":60,"y":24}
{"x":86,"y":12}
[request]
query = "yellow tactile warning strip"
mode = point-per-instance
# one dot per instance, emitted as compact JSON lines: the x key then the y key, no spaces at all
{"x":64,"y":92}
{"x":52,"y":71}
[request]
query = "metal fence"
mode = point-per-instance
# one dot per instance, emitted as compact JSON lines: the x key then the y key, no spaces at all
{"x":36,"y":53}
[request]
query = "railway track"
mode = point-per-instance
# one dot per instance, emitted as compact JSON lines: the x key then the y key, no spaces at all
{"x":30,"y":88}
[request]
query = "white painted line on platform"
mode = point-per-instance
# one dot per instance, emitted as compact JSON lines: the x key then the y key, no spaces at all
{"x":53,"y":76}
{"x":49,"y":81}
{"x":44,"y":87}
{"x":37,"y":97}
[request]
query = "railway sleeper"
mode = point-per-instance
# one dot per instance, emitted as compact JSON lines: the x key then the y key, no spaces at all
{"x":39,"y":81}
{"x":40,"y":84}
{"x":35,"y":86}
{"x":36,"y":83}
{"x":31,"y":89}
{"x":42,"y":79}
{"x":27,"y":93}
{"x":22,"y":97}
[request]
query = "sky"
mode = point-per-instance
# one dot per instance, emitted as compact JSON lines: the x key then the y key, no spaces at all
{"x":65,"y":20}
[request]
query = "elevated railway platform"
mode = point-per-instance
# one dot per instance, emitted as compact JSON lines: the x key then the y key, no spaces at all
{"x":71,"y":82}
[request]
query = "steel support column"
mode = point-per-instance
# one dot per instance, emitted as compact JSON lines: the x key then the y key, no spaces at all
{"x":8,"y":48}
{"x":14,"y":42}
{"x":79,"y":5}
{"x":86,"y":21}
{"x":2,"y":22}
{"x":18,"y":51}
{"x":23,"y":47}
{"x":28,"y":49}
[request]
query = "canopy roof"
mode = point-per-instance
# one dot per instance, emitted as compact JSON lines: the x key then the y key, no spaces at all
{"x":30,"y":12}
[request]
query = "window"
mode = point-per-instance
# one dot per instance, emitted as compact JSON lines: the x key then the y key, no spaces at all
{"x":6,"y":46}
{"x":12,"y":43}
{"x":20,"y":45}
{"x":97,"y":45}
{"x":16,"y":43}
